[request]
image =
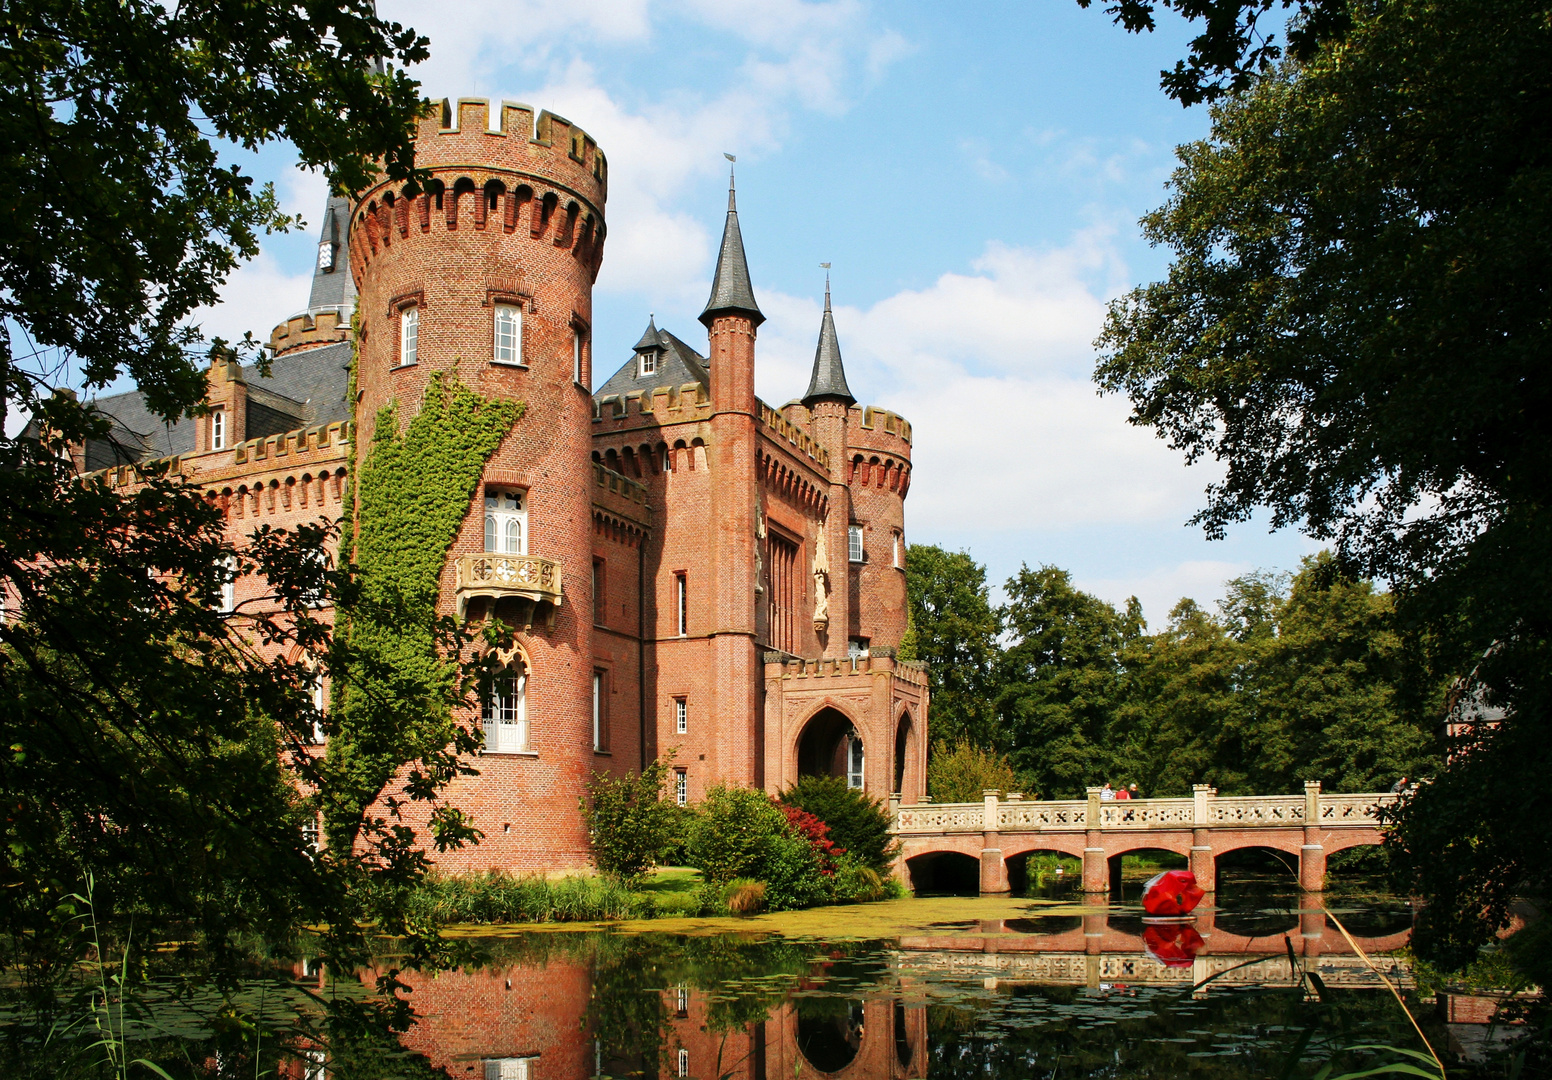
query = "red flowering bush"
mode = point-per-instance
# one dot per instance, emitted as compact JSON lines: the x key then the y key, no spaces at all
{"x":816,"y":832}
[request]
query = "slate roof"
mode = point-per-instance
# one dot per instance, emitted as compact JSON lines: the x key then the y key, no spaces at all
{"x":677,"y":364}
{"x":731,"y":291}
{"x":829,"y":378}
{"x":304,"y":389}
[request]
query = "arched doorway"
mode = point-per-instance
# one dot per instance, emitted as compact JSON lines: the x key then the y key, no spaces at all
{"x":831,"y":746}
{"x":903,"y":734}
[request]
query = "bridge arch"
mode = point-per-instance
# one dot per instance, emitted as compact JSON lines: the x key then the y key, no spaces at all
{"x":1334,"y":843}
{"x":944,"y":872}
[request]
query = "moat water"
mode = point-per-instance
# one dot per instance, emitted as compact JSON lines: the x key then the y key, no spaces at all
{"x":1263,"y":985}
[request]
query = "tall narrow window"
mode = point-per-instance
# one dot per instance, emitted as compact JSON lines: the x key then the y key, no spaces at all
{"x":682,"y":1000}
{"x":683,"y":606}
{"x":681,"y":787}
{"x":854,"y":763}
{"x":681,"y":716}
{"x":854,"y":543}
{"x":506,"y":522}
{"x":895,"y":550}
{"x":509,"y":334}
{"x":228,"y":585}
{"x":684,"y":1062}
{"x":576,"y":355}
{"x":600,"y":711}
{"x":409,"y":335}
{"x":600,"y":599}
{"x":320,"y":695}
{"x":218,"y":429}
{"x":505,"y":714}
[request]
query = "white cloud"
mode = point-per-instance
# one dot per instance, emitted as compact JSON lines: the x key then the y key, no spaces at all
{"x":260,"y":290}
{"x":992,"y":369}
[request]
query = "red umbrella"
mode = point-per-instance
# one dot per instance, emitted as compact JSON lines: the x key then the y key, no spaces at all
{"x":1172,"y":944}
{"x":1172,"y":893}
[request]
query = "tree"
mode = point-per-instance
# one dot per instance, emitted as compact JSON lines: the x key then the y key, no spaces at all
{"x":628,"y":821}
{"x":1354,"y":324}
{"x":966,"y":772}
{"x":858,"y":822}
{"x":153,"y":741}
{"x":1235,"y":45}
{"x":1062,"y":679}
{"x":954,"y":629}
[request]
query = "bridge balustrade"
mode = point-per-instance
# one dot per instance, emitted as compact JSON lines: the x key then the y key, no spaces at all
{"x":1310,"y":825}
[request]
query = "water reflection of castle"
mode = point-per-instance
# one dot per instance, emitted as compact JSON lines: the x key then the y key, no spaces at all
{"x":578,"y":1014}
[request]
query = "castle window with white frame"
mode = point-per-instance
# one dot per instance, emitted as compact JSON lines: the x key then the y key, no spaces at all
{"x":504,"y":713}
{"x":576,"y":354}
{"x":684,"y":1062}
{"x":409,"y":335}
{"x":681,"y":716}
{"x":898,"y":549}
{"x":218,"y":429}
{"x":320,"y":696}
{"x":512,"y":1068}
{"x":854,"y":762}
{"x":681,"y":787}
{"x":647,"y":362}
{"x":228,"y":584}
{"x":854,"y":543}
{"x":682,"y":604}
{"x":506,"y":522}
{"x":509,"y":334}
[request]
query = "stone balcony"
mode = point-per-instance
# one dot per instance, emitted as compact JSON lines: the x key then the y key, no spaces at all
{"x":520,"y":590}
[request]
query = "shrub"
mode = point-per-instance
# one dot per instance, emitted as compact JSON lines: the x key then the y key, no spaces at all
{"x":792,"y":873}
{"x":856,"y":884}
{"x":628,"y":822}
{"x":744,"y":896}
{"x":858,"y":823}
{"x":816,"y":832}
{"x":962,"y":774}
{"x":498,"y":897}
{"x":733,"y":834}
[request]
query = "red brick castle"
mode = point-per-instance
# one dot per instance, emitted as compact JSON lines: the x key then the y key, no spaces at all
{"x":691,"y":569}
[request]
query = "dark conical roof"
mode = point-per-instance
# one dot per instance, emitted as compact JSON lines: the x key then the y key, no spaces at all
{"x":829,"y":379}
{"x":730,"y":289}
{"x":333,"y":287}
{"x":651,"y":337}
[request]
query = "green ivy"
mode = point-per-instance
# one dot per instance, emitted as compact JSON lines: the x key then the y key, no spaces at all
{"x":394,"y":704}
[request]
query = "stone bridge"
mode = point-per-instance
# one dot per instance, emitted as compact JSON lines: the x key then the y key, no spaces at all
{"x":999,"y":830}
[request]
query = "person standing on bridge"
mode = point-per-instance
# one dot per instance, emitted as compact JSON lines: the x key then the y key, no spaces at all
{"x":1122,"y":793}
{"x":1107,"y":792}
{"x":1135,"y":794}
{"x":1399,"y":787}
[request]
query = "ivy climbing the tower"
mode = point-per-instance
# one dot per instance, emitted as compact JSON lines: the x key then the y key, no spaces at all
{"x":400,"y":657}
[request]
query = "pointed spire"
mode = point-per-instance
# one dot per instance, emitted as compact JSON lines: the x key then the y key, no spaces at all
{"x":651,"y":338}
{"x":332,"y":286}
{"x":731,"y":292}
{"x":829,"y":379}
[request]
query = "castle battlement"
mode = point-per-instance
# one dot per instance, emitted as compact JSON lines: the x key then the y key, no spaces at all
{"x":307,"y":331}
{"x":794,"y":435}
{"x":674,"y":399}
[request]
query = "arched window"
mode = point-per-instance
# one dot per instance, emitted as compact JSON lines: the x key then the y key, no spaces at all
{"x":506,"y":522}
{"x":505,"y":712}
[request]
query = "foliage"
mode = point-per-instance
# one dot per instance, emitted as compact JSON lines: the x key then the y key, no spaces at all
{"x":1354,"y":325}
{"x":954,"y":628}
{"x":629,"y":823}
{"x":733,"y":833}
{"x":966,"y":772}
{"x":858,"y":823}
{"x":394,"y":696}
{"x":1292,"y":679}
{"x":816,"y":832}
{"x":122,"y":220}
{"x":499,"y":897}
{"x":744,"y":896}
{"x":1062,"y":677}
{"x":1234,"y":46}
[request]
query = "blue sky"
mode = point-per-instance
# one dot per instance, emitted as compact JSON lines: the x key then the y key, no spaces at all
{"x":974,"y":172}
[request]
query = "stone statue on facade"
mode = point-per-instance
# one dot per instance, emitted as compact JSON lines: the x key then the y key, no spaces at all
{"x":821,"y":580}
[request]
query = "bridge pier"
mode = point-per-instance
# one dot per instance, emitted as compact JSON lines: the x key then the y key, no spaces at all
{"x":994,"y":869}
{"x":1096,"y":869}
{"x":1312,"y":922}
{"x":1115,"y":878}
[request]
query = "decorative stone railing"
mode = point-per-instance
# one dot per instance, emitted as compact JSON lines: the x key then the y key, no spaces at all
{"x":1203,"y":810}
{"x":531,"y":581}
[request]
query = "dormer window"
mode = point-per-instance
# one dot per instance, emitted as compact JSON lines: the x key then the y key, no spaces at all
{"x":509,"y":334}
{"x":648,"y":362}
{"x":326,"y":257}
{"x":218,"y":429}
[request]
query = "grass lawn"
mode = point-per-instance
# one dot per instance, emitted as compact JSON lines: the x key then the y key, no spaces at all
{"x":666,"y":880}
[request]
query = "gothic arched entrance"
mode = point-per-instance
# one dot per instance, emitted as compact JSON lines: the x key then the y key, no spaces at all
{"x":830,"y":745}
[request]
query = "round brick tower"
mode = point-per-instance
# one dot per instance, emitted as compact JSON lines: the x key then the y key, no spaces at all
{"x":489,"y":274}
